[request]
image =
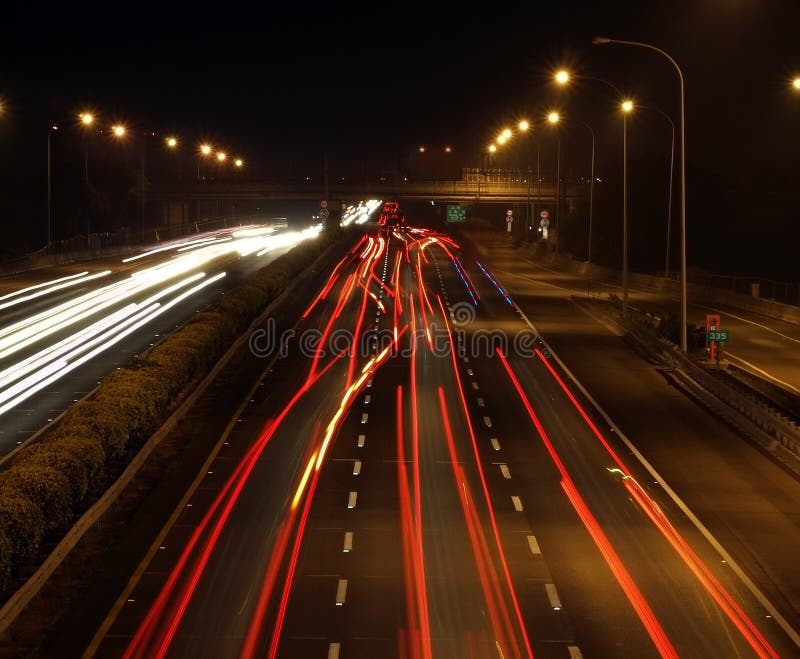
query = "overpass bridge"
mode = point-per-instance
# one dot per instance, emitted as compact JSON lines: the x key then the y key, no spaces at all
{"x":185,"y":202}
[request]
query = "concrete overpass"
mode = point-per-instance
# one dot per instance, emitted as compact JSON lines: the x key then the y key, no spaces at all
{"x":182,"y":202}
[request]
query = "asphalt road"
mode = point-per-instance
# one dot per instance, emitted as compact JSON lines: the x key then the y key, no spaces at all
{"x":470,"y":504}
{"x":88,"y":314}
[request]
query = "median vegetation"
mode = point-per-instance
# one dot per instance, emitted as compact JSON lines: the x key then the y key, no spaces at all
{"x":52,"y":482}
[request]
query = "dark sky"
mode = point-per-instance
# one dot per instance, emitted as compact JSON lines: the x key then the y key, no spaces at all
{"x":285,"y":80}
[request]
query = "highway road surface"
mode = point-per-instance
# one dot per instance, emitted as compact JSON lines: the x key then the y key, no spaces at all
{"x":63,"y":329}
{"x":430,"y":481}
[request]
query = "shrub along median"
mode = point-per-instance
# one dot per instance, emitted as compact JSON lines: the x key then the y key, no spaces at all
{"x":52,"y":481}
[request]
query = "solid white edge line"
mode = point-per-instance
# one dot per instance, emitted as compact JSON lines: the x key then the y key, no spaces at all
{"x":771,"y":609}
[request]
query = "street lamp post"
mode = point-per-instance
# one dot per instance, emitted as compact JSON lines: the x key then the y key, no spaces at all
{"x":554,"y":118}
{"x":87,"y":119}
{"x":606,"y":40}
{"x":627,"y":106}
{"x":49,"y":191}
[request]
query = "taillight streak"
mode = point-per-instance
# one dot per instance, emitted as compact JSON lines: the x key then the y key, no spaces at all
{"x":626,"y":582}
{"x":692,"y":560}
{"x":487,"y":576}
{"x":490,"y":509}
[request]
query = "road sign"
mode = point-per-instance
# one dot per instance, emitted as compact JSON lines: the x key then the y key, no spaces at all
{"x":509,"y":212}
{"x":456,"y":213}
{"x":544,"y":214}
{"x":718,"y":335}
{"x":323,"y":204}
{"x":324,"y":213}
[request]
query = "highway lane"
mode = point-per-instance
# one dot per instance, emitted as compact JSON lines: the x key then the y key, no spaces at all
{"x":437,"y":564}
{"x":58,"y":340}
{"x":745,"y":501}
{"x":765,"y":346}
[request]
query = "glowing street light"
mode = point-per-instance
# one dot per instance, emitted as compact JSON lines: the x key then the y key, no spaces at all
{"x":492,"y":148}
{"x":796,"y":83}
{"x":627,"y":106}
{"x":447,"y":149}
{"x":238,"y":162}
{"x":553,"y":117}
{"x":523,"y":125}
{"x":422,"y":149}
{"x":502,"y":139}
{"x":205,"y":149}
{"x":221,"y":155}
{"x":87,"y":118}
{"x":171,"y":142}
{"x":562,"y":77}
{"x":506,"y":133}
{"x":118,"y":130}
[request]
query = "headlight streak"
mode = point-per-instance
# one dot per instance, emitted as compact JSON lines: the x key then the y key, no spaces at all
{"x":637,"y":600}
{"x":74,"y":281}
{"x":714,"y":588}
{"x":157,"y":310}
{"x":51,"y":282}
{"x":81,"y":337}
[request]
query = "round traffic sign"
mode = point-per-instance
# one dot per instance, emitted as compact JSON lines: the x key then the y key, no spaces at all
{"x":323,"y":213}
{"x":509,"y":212}
{"x":544,"y":215}
{"x":323,"y":204}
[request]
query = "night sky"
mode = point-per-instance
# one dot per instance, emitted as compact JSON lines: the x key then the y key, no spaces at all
{"x":282,"y":84}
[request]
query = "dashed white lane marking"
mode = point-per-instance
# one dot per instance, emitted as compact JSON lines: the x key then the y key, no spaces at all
{"x":504,"y":470}
{"x":475,"y":386}
{"x":333,"y":650}
{"x":356,"y":467}
{"x":364,"y":417}
{"x":469,"y":372}
{"x":351,"y":501}
{"x":552,"y":595}
{"x":361,"y":440}
{"x":487,"y":420}
{"x":495,"y":443}
{"x":515,"y":500}
{"x":367,"y":398}
{"x":574,"y":652}
{"x":341,"y":592}
{"x":480,"y":402}
{"x":347,"y":546}
{"x":533,"y":543}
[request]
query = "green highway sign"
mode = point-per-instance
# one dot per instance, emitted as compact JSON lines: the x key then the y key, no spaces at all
{"x":456,"y":213}
{"x":718,"y":335}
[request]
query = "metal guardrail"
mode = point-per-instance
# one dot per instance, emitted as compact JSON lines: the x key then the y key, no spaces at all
{"x":755,"y":418}
{"x":766,"y":419}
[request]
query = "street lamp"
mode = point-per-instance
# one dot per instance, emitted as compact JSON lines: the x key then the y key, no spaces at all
{"x":553,"y":118}
{"x":49,"y":191}
{"x":563,"y":77}
{"x":796,"y":83}
{"x":627,"y":108}
{"x":524,"y":126}
{"x":606,"y":40}
{"x":87,"y":119}
{"x":239,"y":163}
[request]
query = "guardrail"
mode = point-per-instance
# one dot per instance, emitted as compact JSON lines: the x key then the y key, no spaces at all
{"x":756,"y":412}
